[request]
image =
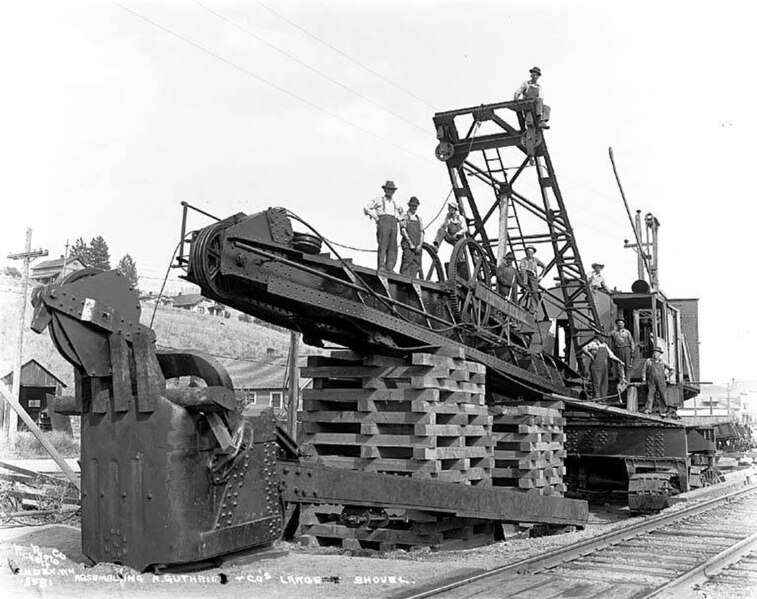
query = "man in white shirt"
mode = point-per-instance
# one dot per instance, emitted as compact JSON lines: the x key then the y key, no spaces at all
{"x":531,"y":90}
{"x":385,"y":212}
{"x":596,"y":280}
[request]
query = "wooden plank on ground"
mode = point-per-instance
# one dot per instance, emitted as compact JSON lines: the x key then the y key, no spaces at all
{"x":49,"y":447}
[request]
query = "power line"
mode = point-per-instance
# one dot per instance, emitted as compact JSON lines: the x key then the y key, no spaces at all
{"x":345,"y":55}
{"x":246,"y":31}
{"x":267,"y":82}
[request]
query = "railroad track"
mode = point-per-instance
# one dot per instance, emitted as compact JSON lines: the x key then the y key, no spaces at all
{"x":662,"y":556}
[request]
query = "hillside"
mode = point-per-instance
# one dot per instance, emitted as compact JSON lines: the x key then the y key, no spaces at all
{"x":177,"y":329}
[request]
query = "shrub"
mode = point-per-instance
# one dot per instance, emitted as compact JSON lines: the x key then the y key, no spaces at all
{"x":27,"y":445}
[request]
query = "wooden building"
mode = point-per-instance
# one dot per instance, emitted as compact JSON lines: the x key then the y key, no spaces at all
{"x":194,"y":302}
{"x":50,"y":270}
{"x":36,"y":382}
{"x":261,"y":384}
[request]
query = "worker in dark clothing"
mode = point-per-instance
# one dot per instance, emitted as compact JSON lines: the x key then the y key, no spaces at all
{"x":655,"y":375}
{"x":600,"y":353}
{"x":386,"y":214}
{"x":621,"y":342}
{"x":507,"y":277}
{"x":411,"y":229}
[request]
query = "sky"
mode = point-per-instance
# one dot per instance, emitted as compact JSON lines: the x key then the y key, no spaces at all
{"x":112,"y":113}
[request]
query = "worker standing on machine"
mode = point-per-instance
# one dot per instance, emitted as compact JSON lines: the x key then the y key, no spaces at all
{"x":655,"y":375}
{"x":600,"y":353}
{"x":385,"y":213}
{"x":507,"y":277}
{"x":411,"y":229}
{"x":621,"y":342}
{"x":532,"y":270}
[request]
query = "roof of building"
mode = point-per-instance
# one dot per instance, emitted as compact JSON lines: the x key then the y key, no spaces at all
{"x":188,"y":299}
{"x":32,"y":374}
{"x":259,"y":374}
{"x":57,"y":263}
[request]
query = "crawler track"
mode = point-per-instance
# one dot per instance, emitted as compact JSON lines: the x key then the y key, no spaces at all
{"x":661,"y":556}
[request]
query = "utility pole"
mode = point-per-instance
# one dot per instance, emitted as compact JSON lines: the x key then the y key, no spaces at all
{"x":65,"y":260}
{"x":294,"y":384}
{"x":10,"y":422}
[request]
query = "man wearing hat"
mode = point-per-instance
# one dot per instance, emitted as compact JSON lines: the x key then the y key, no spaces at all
{"x":532,"y":269}
{"x":411,"y":229}
{"x":507,"y":277}
{"x":621,"y":342}
{"x":385,"y":213}
{"x":600,"y":353}
{"x":531,"y":90}
{"x":596,"y":280}
{"x":655,"y":375}
{"x":453,"y":227}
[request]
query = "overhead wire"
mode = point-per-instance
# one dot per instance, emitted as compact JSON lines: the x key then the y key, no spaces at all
{"x":246,"y":31}
{"x":276,"y":86}
{"x":345,"y":55}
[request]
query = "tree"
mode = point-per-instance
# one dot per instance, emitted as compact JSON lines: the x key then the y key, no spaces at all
{"x":99,"y":256}
{"x":128,"y":268}
{"x":12,"y":271}
{"x":80,"y":251}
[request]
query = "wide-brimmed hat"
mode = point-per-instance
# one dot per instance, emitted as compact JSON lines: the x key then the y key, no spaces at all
{"x":509,"y":255}
{"x":536,"y":70}
{"x":389,"y":185}
{"x":617,"y":320}
{"x":413,"y":201}
{"x":597,"y":265}
{"x":657,"y":349}
{"x":452,"y":205}
{"x":530,"y":247}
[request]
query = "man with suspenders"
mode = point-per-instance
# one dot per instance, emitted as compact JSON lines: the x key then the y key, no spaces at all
{"x":386,"y":214}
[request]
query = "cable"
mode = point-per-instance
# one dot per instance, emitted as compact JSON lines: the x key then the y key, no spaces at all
{"x":267,"y":82}
{"x":312,"y":68}
{"x":163,"y":286}
{"x":343,"y":54}
{"x":347,"y":267}
{"x":354,"y":249}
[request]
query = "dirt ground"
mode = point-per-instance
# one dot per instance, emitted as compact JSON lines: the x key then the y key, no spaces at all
{"x":48,"y":563}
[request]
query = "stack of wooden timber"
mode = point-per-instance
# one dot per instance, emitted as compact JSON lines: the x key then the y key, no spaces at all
{"x":422,"y":417}
{"x":529,"y":451}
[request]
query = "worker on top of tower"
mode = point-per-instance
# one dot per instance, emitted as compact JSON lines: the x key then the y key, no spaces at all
{"x":386,"y":214}
{"x":531,"y":90}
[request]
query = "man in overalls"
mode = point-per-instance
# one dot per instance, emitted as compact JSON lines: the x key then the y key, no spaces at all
{"x":507,"y":277}
{"x":411,"y":229}
{"x":532,"y":269}
{"x":453,"y":227}
{"x":621,"y":342}
{"x":599,"y":353}
{"x":385,"y":213}
{"x":531,"y":90}
{"x":655,"y":375}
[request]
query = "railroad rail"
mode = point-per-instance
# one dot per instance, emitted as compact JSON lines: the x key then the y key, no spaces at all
{"x":661,"y":556}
